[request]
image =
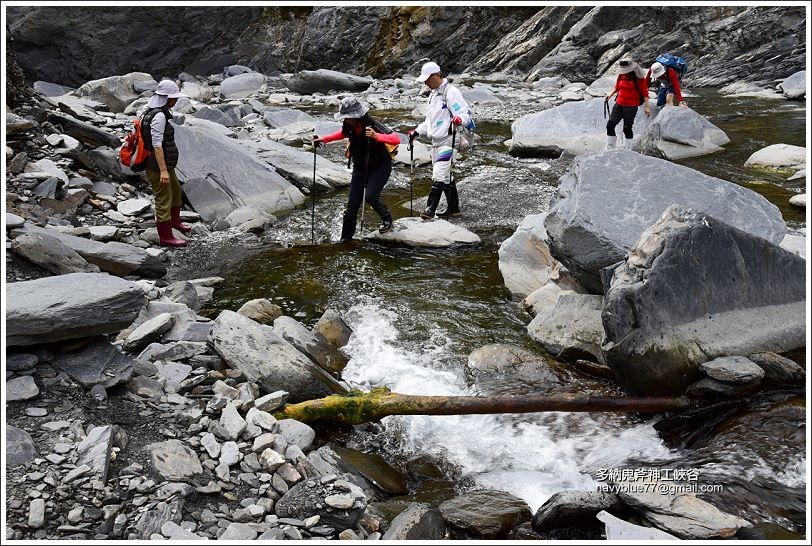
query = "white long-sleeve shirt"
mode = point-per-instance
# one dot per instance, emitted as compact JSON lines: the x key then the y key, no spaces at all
{"x":438,"y":116}
{"x":157,"y":128}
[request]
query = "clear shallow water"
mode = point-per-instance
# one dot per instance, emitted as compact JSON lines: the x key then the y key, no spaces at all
{"x":418,"y":314}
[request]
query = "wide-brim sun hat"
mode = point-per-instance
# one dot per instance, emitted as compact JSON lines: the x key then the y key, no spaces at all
{"x":625,"y":66}
{"x":427,"y":70}
{"x":657,"y":70}
{"x":169,"y":89}
{"x":350,"y":107}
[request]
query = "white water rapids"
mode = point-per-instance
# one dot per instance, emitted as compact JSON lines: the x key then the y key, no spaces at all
{"x":530,"y":456}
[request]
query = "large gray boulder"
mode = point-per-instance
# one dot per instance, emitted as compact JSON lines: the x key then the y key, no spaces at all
{"x":485,"y":513}
{"x":794,"y":87}
{"x":416,"y":232}
{"x":779,"y":156}
{"x":51,"y":254}
{"x":605,"y":201}
{"x":100,"y":363}
{"x":525,"y":260}
{"x":20,"y":448}
{"x":296,"y":165}
{"x":307,"y":82}
{"x":574,"y":509}
{"x":221,"y":175}
{"x":681,"y":132}
{"x":117,"y":258}
{"x":692,"y":289}
{"x":311,"y":343}
{"x":573,"y":323}
{"x":264,"y":357}
{"x":683,"y":515}
{"x":117,"y":92}
{"x":69,"y":306}
{"x":417,"y":522}
{"x":576,"y":127}
{"x":241,"y":85}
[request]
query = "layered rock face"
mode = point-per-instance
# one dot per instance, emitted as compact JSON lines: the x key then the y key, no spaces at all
{"x":61,"y":45}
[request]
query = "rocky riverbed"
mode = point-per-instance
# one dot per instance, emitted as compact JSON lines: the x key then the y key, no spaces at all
{"x":135,"y":411}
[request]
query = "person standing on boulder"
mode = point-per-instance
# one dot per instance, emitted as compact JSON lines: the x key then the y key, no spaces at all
{"x":669,"y":85}
{"x":631,"y":91}
{"x":159,"y":136}
{"x":372,"y":163}
{"x":446,"y":108}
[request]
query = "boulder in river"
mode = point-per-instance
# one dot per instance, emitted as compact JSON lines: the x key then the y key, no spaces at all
{"x":692,"y":289}
{"x":605,"y":201}
{"x":794,"y":87}
{"x":779,"y":156}
{"x":573,"y":323}
{"x":264,"y":357}
{"x":678,"y":132}
{"x":525,"y":260}
{"x":307,"y":82}
{"x":69,"y":306}
{"x":574,"y":509}
{"x":311,"y":343}
{"x":576,"y":127}
{"x":416,"y":232}
{"x":296,"y":165}
{"x":683,"y":515}
{"x":485,"y":513}
{"x":221,"y":175}
{"x":417,"y":522}
{"x":338,"y":503}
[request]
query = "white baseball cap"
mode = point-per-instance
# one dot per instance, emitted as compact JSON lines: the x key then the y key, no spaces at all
{"x":427,"y":70}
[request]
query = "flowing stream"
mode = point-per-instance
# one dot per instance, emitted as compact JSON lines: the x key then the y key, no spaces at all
{"x":418,"y":314}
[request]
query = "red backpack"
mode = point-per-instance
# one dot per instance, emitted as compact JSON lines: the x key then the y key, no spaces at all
{"x":133,"y":154}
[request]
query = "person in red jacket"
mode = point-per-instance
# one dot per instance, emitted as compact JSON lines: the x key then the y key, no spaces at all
{"x":631,"y":91}
{"x":669,"y":85}
{"x":372,"y":163}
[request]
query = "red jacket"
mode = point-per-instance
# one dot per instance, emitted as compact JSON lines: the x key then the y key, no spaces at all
{"x":630,"y":90}
{"x":672,"y":79}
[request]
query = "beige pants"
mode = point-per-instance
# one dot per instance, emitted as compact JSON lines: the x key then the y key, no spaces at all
{"x":167,"y":196}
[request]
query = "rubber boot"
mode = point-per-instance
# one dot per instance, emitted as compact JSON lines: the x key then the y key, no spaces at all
{"x":611,"y":142}
{"x":348,"y":227}
{"x":434,"y":199}
{"x":165,"y":235}
{"x":453,"y":200}
{"x":177,"y":224}
{"x":386,"y":216}
{"x":629,"y":144}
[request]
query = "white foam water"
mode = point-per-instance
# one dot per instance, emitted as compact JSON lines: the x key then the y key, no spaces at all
{"x":530,"y":456}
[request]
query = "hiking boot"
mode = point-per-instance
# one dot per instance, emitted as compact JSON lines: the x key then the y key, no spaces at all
{"x":165,"y":235}
{"x":434,"y":199}
{"x":453,"y":200}
{"x":386,"y":225}
{"x":386,"y":217}
{"x":177,"y":224}
{"x":348,"y":227}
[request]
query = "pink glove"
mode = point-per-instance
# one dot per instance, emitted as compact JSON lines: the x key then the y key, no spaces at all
{"x":456,"y":120}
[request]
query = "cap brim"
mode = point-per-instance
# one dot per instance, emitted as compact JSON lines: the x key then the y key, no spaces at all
{"x":175,"y":95}
{"x":422,"y":79}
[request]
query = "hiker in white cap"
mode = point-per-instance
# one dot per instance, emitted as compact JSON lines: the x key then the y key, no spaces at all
{"x":669,"y":87}
{"x":159,"y":136}
{"x":631,"y":92}
{"x":446,"y":106}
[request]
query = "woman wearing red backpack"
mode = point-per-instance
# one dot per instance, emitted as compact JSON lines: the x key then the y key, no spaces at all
{"x":631,"y":92}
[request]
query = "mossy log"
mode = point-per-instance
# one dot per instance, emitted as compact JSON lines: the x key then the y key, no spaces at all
{"x":362,"y":407}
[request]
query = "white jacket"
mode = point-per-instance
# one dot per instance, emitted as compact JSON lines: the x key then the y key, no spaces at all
{"x":438,"y":119}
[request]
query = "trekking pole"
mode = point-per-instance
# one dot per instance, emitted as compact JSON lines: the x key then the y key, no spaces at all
{"x":605,"y":108}
{"x":411,"y":176}
{"x":313,"y":199}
